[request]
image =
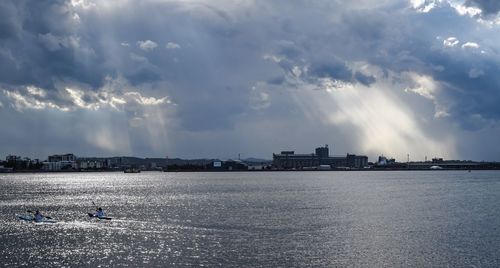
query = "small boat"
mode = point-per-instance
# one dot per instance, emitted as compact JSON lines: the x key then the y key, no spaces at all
{"x":132,"y":170}
{"x":101,"y":218}
{"x":30,"y":218}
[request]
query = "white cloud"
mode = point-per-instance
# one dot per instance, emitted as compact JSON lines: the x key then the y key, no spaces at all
{"x":125,"y":44}
{"x":425,"y":85}
{"x":36,"y":91}
{"x":85,"y":4}
{"x":451,"y":42}
{"x":470,"y":45}
{"x":172,"y":45}
{"x":149,"y":101}
{"x":77,"y":98}
{"x":147,"y":45}
{"x":428,"y":88}
{"x":424,"y":6}
{"x":114,"y":94}
{"x":465,"y":10}
{"x":22,"y":102}
{"x":422,"y":91}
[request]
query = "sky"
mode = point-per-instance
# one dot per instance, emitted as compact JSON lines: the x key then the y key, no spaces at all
{"x":218,"y":78}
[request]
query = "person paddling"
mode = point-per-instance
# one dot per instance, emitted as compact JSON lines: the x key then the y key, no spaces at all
{"x":100,"y":213}
{"x":38,"y":216}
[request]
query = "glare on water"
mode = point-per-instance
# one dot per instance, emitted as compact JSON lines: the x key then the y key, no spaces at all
{"x":287,"y":219}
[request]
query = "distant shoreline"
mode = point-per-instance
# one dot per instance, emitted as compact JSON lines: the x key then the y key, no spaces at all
{"x":257,"y":170}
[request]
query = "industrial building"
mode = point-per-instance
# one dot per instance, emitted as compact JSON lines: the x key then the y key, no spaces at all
{"x":318,"y":160}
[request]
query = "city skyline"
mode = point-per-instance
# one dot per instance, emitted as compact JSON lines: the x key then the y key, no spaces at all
{"x":214,"y":79}
{"x":239,"y":156}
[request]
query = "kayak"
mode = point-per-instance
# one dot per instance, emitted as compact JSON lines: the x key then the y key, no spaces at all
{"x":31,"y":218}
{"x":101,"y":218}
{"x":25,"y":217}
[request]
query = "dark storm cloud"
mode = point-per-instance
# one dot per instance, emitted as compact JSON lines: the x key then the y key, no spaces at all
{"x":223,"y":62}
{"x":46,"y":47}
{"x":9,"y":25}
{"x":364,"y":79}
{"x":466,"y":73}
{"x":331,"y":68}
{"x":319,"y":65}
{"x":489,"y":7}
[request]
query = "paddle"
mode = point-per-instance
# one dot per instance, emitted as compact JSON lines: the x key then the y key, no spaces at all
{"x":29,"y":211}
{"x":90,"y":214}
{"x":96,"y":206}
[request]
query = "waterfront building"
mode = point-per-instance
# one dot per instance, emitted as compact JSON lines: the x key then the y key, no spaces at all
{"x":227,"y":165}
{"x":59,"y":162}
{"x":62,"y":157}
{"x":320,"y":159}
{"x":85,"y":163}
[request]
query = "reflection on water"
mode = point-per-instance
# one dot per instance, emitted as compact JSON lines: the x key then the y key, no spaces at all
{"x":286,"y":219}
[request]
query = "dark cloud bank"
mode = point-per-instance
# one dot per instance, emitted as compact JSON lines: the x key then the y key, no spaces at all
{"x":206,"y":79}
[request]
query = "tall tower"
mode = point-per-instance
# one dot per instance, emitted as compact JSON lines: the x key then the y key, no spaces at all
{"x":322,"y":152}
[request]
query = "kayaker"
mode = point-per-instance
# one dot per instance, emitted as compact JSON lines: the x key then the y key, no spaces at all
{"x":38,"y":216}
{"x":99,"y":213}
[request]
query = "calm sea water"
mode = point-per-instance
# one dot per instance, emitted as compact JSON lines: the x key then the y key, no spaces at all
{"x":275,"y":219}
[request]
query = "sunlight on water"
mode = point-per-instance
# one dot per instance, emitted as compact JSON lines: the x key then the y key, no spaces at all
{"x":368,"y":219}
